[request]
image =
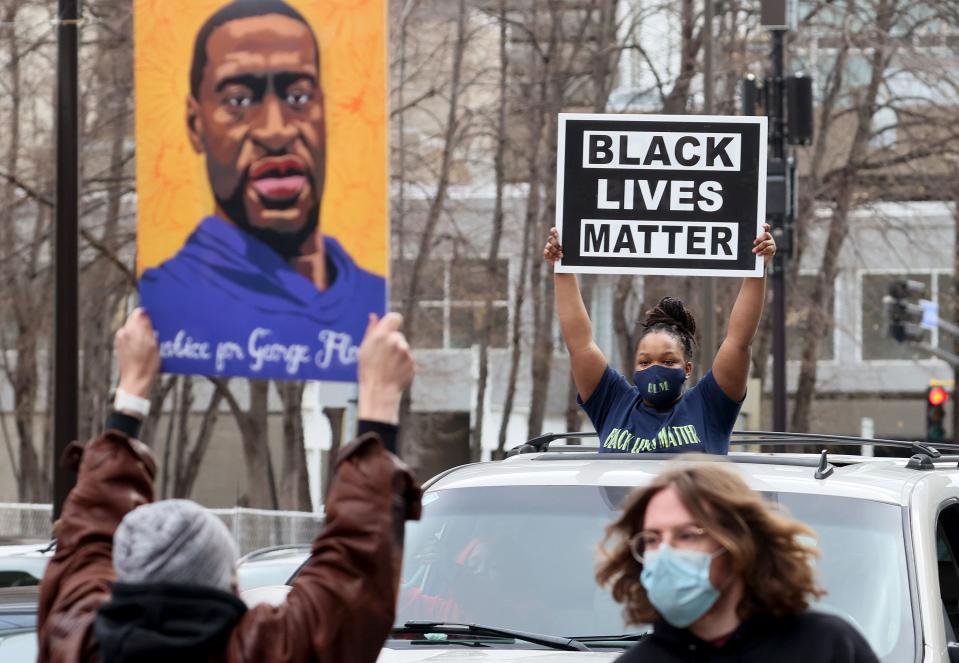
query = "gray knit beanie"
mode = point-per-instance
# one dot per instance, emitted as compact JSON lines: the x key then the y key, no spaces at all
{"x":175,"y":541}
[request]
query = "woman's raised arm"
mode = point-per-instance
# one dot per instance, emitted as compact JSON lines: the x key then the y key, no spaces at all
{"x":731,"y":365}
{"x":586,"y":360}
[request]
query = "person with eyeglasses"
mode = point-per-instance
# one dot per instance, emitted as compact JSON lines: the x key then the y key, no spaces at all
{"x":720,"y":575}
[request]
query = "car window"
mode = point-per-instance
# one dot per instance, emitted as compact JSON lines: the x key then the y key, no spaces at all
{"x":947,"y":554}
{"x":862,"y":567}
{"x":524,"y":557}
{"x":21,"y":571}
{"x":18,"y":579}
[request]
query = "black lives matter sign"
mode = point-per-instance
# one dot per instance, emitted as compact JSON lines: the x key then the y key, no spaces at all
{"x":660,"y":194}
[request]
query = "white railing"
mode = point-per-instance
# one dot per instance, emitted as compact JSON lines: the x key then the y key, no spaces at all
{"x":260,"y":528}
{"x":251,"y":528}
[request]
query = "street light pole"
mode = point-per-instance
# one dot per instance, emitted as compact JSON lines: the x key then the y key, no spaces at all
{"x":66,"y":313}
{"x":778,"y":272}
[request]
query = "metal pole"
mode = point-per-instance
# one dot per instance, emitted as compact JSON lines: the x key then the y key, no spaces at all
{"x":950,"y":358}
{"x":948,"y":327}
{"x":777,"y":276}
{"x":709,"y":287}
{"x":66,"y":315}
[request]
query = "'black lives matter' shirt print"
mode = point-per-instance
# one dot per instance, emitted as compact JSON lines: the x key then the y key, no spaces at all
{"x":702,"y":420}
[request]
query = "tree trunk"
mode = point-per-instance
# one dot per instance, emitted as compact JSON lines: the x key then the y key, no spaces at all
{"x":810,"y":191}
{"x":260,"y":482}
{"x":157,"y":401}
{"x":824,"y":287}
{"x":541,"y":290}
{"x":31,"y":486}
{"x":99,"y":312}
{"x":604,"y":60}
{"x":294,"y":477}
{"x":519,"y":295}
{"x":476,"y":433}
{"x":335,"y":416}
{"x":191,"y":469}
{"x":168,"y":442}
{"x":530,"y":252}
{"x":451,"y":140}
{"x":678,"y":97}
{"x":542,"y":352}
{"x":625,"y":326}
{"x":183,"y":425}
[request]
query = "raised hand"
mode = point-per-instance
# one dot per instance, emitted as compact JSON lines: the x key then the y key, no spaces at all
{"x":765,"y":245}
{"x":386,"y":368}
{"x":138,"y":355}
{"x":552,"y":251}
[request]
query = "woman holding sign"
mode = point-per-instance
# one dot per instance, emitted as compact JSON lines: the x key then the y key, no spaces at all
{"x":658,"y":414}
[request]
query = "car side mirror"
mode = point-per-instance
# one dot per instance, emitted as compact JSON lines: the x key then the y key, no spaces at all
{"x":953,"y":649}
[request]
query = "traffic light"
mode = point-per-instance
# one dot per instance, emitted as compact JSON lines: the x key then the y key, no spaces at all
{"x":902,"y":315}
{"x":799,"y":110}
{"x":936,"y":398}
{"x":752,"y":94}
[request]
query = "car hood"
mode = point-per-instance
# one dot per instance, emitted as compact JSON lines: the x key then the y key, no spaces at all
{"x":434,"y":654}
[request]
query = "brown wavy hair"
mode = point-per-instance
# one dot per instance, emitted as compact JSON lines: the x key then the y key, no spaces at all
{"x":762,"y":543}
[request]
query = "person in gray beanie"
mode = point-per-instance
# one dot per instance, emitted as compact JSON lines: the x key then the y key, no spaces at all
{"x":134,"y":580}
{"x":175,"y":541}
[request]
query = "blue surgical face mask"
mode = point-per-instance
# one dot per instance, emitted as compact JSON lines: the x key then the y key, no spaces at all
{"x":659,"y":385}
{"x":677,"y":584}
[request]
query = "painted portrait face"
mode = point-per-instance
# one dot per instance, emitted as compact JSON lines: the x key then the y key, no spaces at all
{"x":258,"y":117}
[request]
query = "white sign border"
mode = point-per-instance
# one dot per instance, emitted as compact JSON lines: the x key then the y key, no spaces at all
{"x":758,"y":269}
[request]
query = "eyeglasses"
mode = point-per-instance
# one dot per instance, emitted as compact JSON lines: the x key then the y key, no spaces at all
{"x":686,"y":537}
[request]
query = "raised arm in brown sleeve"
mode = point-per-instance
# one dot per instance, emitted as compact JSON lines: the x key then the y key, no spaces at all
{"x":343,"y":602}
{"x":116,"y":476}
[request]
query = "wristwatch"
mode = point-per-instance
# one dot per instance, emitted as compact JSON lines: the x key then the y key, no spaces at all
{"x":130,"y":404}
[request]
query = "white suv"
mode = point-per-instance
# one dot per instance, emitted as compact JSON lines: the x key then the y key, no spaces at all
{"x":502,"y":562}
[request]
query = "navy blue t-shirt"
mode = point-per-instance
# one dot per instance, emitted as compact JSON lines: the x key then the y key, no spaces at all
{"x":701,"y":421}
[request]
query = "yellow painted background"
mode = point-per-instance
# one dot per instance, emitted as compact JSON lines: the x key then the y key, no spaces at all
{"x":172,"y":190}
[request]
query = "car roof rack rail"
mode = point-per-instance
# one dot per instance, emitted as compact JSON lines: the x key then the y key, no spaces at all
{"x":923,"y":454}
{"x":923,"y":457}
{"x":541,"y":442}
{"x":774,"y":438}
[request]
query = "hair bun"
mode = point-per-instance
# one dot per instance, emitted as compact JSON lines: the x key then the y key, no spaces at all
{"x":671,"y":311}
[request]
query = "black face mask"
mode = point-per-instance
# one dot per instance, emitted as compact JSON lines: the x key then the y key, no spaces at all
{"x":659,"y":385}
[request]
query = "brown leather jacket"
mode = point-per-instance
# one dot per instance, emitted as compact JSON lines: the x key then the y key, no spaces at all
{"x":342,"y":604}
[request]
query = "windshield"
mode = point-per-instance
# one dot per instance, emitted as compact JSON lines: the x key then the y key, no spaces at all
{"x":524,"y":558}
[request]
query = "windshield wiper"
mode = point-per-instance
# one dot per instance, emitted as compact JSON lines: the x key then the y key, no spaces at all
{"x":453,"y":628}
{"x":625,"y":637}
{"x":473,"y":642}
